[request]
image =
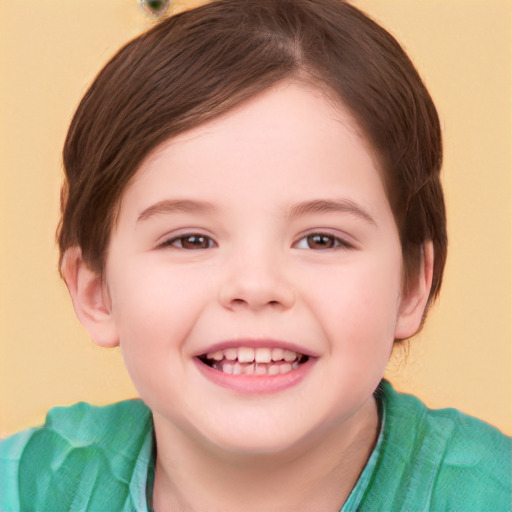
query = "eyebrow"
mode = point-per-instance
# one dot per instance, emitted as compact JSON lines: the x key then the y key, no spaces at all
{"x":331,"y":205}
{"x":175,"y":205}
{"x":304,"y":208}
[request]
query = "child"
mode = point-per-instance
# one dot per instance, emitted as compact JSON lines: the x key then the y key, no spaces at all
{"x":252,"y":211}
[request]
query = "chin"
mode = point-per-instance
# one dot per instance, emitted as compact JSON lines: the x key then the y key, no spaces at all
{"x":253,"y":438}
{"x":257,"y":446}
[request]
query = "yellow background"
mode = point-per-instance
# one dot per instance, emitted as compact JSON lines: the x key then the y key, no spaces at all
{"x":49,"y":52}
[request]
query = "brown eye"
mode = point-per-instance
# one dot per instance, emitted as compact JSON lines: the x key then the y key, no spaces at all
{"x":191,"y":242}
{"x":195,"y":242}
{"x":319,"y":241}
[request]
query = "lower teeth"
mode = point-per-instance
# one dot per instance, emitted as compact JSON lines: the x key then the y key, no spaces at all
{"x":255,"y":369}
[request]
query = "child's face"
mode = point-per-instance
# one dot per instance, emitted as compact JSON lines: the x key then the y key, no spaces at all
{"x":266,"y":229}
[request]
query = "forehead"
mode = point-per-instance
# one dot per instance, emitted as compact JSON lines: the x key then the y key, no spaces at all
{"x":291,"y":134}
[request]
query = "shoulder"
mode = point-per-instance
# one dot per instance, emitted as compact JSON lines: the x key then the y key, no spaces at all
{"x":81,"y":454}
{"x":465,"y":438}
{"x":444,"y":459}
{"x":457,"y":429}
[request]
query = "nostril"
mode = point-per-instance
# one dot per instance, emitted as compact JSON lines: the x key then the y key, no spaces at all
{"x":242,"y":302}
{"x":253,"y":292}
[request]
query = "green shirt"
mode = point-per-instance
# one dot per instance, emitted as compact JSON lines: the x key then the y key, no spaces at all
{"x":101,"y":459}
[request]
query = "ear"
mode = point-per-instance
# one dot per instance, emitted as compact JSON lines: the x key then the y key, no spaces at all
{"x":413,"y":303}
{"x":90,"y":298}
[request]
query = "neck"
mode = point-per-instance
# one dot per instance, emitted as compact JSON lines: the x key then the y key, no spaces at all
{"x":318,"y":475}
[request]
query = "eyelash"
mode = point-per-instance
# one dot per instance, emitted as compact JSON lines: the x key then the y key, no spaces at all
{"x":202,"y":242}
{"x":177,"y":242}
{"x":331,"y":242}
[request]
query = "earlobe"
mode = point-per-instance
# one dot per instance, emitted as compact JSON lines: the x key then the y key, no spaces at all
{"x":90,"y":298}
{"x":412,"y":306}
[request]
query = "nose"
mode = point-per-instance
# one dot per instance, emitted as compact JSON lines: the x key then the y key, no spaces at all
{"x":255,"y":283}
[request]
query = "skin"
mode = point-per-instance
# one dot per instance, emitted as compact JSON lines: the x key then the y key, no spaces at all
{"x":257,"y":275}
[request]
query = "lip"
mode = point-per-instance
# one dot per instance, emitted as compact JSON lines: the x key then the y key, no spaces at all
{"x":255,"y":384}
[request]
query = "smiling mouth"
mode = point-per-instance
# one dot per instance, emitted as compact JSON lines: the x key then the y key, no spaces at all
{"x":254,"y":361}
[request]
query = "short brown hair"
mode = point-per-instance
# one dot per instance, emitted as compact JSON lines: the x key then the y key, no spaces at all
{"x":199,"y":64}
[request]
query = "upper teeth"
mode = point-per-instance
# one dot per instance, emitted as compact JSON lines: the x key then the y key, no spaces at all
{"x":258,"y":355}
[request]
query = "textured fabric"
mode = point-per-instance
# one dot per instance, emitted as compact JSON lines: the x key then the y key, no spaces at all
{"x":434,"y":460}
{"x":101,"y":459}
{"x":83,"y":458}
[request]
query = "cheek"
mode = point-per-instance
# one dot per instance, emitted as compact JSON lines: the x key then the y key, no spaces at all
{"x":360,"y":305}
{"x":154,"y":310}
